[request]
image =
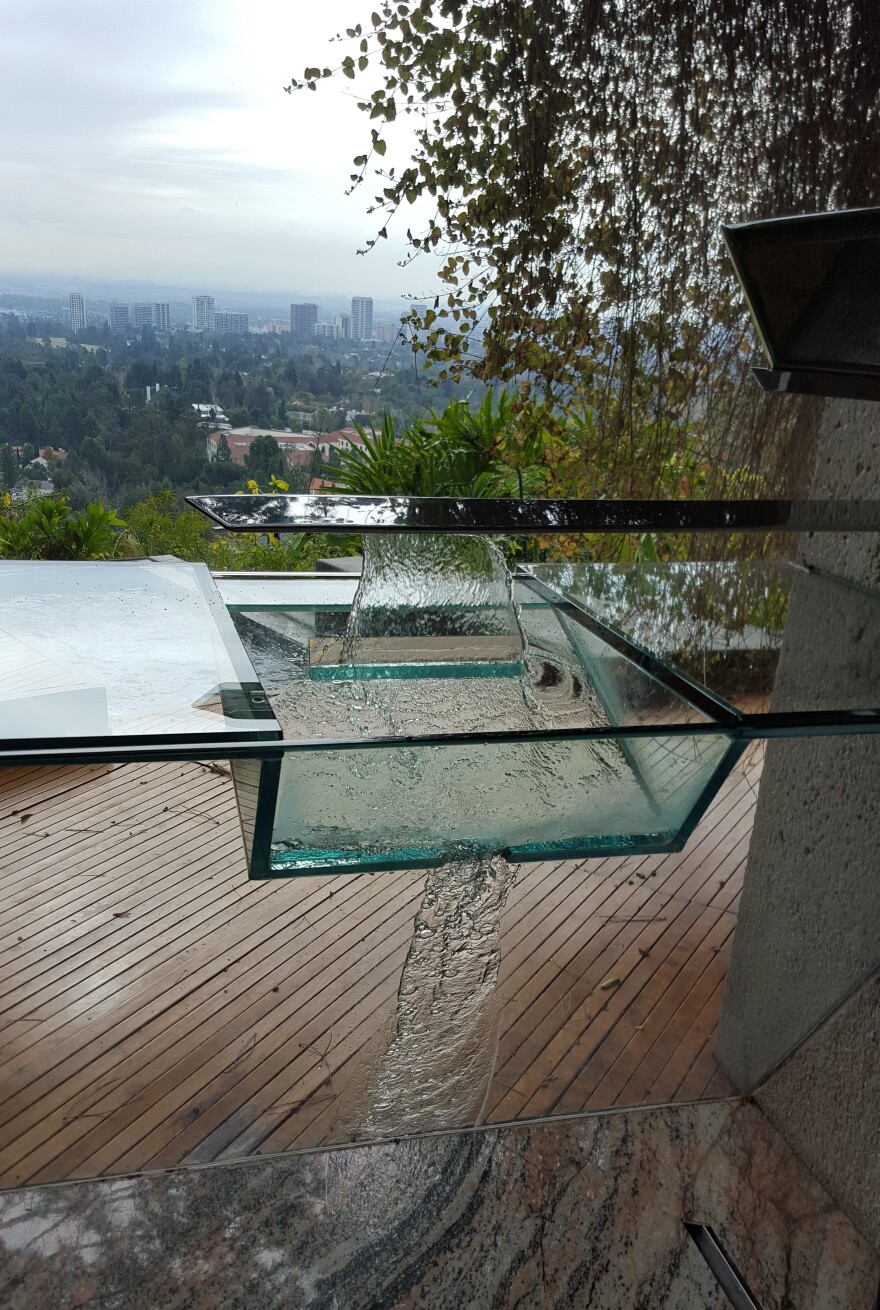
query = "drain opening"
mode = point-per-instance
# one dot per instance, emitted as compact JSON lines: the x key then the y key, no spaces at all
{"x":727,"y":1276}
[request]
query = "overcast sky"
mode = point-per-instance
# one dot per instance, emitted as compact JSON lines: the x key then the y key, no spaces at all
{"x":154,"y":141}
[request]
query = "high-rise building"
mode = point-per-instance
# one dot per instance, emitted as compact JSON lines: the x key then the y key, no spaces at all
{"x":140,"y":316}
{"x":303,"y":319}
{"x":224,"y":322}
{"x":362,"y":318}
{"x":386,"y":332}
{"x":202,"y":313}
{"x":77,"y":312}
{"x":161,"y":316}
{"x":119,"y":321}
{"x":342,"y":323}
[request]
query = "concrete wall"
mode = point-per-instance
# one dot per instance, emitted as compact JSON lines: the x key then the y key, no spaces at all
{"x":808,"y":933}
{"x":826,"y":1102}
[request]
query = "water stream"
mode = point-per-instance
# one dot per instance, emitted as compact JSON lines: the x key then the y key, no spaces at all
{"x":435,"y":1061}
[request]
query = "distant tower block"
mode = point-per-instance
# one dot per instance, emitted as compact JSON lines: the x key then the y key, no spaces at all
{"x":140,"y":316}
{"x":119,"y":320}
{"x":362,"y":318}
{"x":161,"y":316}
{"x":77,"y":312}
{"x":303,"y":320}
{"x":202,"y":313}
{"x":225,"y":323}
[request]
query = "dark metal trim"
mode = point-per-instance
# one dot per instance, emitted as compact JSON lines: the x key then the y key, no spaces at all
{"x":819,"y":382}
{"x":727,"y":1276}
{"x":267,"y":799}
{"x":441,"y":514}
{"x":842,"y":225}
{"x":189,"y":745}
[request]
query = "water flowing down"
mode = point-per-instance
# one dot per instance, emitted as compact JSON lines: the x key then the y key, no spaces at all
{"x":439,"y":1062}
{"x":455,"y":808}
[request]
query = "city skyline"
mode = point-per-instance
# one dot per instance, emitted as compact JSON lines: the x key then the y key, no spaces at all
{"x":134,"y":316}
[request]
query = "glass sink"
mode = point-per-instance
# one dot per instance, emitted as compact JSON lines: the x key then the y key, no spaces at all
{"x":575,"y":757}
{"x":641,"y":686}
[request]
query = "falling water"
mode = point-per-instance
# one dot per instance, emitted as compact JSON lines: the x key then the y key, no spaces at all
{"x":440,"y":1048}
{"x":439,"y":1061}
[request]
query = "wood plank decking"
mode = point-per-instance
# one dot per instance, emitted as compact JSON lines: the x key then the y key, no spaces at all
{"x":156,"y":1007}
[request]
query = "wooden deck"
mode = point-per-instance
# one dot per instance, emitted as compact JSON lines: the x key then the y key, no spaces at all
{"x":156,"y":1007}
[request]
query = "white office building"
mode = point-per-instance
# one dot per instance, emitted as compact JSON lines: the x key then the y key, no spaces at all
{"x":202,"y":313}
{"x":77,"y":311}
{"x":224,"y":323}
{"x":362,"y":318}
{"x":162,"y":316}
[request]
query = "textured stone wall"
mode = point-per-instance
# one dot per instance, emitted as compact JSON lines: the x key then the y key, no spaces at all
{"x":808,"y":934}
{"x":826,"y":1102}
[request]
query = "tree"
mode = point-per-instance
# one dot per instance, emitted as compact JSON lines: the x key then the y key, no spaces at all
{"x":8,"y":467}
{"x":579,"y":160}
{"x":264,"y":460}
{"x":224,"y":454}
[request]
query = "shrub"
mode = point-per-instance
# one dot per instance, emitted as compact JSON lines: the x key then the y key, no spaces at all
{"x":47,"y":528}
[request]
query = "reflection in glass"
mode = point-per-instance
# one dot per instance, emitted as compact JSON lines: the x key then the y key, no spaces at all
{"x":122,"y":650}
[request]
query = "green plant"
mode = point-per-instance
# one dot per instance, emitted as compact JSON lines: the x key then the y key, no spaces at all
{"x":48,"y":528}
{"x":461,"y":452}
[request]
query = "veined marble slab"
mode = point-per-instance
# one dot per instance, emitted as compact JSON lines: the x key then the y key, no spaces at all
{"x":582,"y":1212}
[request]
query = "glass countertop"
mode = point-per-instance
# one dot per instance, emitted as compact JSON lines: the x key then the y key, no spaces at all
{"x":126,"y":651}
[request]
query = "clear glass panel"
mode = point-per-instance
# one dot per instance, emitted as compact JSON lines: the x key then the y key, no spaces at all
{"x":380,"y":808}
{"x":735,"y":627}
{"x":121,"y":650}
{"x":345,"y":805}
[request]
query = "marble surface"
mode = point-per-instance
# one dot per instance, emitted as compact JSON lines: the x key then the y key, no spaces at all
{"x":580,"y":1212}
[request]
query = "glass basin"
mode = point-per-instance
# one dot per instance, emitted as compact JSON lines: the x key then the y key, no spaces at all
{"x":641,"y":686}
{"x":588,"y":752}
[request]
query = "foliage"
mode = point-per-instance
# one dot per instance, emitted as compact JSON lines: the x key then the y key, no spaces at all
{"x":576,"y":162}
{"x":264,"y":459}
{"x":47,"y":528}
{"x":107,"y":444}
{"x":461,"y":452}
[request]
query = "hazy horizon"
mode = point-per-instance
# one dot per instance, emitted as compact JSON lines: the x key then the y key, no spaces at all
{"x":95,"y":290}
{"x":167,"y":152}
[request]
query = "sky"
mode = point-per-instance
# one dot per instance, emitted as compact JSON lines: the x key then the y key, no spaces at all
{"x":155,"y":142}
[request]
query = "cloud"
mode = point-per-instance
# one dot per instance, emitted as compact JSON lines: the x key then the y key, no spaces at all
{"x":156,"y":140}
